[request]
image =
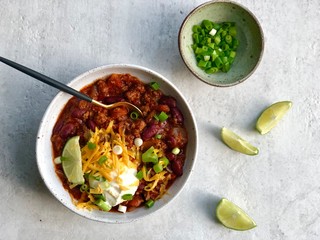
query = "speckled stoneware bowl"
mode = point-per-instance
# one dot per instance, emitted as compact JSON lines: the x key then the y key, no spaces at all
{"x":44,"y":147}
{"x":249,"y":34}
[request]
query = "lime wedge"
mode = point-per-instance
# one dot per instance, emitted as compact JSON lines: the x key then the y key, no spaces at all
{"x":71,"y":161}
{"x":272,"y":115}
{"x":232,"y":216}
{"x":237,"y":143}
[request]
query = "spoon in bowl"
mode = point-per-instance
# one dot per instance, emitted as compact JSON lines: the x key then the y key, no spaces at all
{"x":66,"y":88}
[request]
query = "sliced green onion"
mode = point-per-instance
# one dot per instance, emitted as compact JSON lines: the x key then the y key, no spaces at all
{"x":228,"y":39}
{"x":158,"y":167}
{"x":207,"y":24}
{"x":216,"y":26}
{"x":233,"y":31}
{"x":127,"y":197}
{"x":155,"y":85}
{"x":138,"y":142}
{"x":195,"y":37}
{"x":218,"y":62}
{"x":122,"y":208}
{"x":232,"y":54}
{"x":91,"y":145}
{"x":150,"y":156}
{"x":196,"y":28}
{"x":139,"y":175}
{"x":226,"y":67}
{"x":202,"y":64}
{"x":206,"y":58}
{"x":102,"y":159}
{"x":164,"y":162}
{"x":99,"y":196}
{"x":161,"y":117}
{"x":149,"y":203}
{"x":175,"y":151}
{"x":212,"y":70}
{"x":117,"y":149}
{"x":217,"y":40}
{"x":103,"y":205}
{"x":57,"y":160}
{"x":134,"y":115}
{"x":214,"y":45}
{"x":158,"y":136}
{"x":84,"y":188}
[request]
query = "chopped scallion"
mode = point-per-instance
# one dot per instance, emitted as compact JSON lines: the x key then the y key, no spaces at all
{"x":138,"y":142}
{"x":91,"y":145}
{"x":139,"y":175}
{"x":214,"y":45}
{"x":122,"y":208}
{"x":103,"y":205}
{"x":162,"y":116}
{"x":164,"y":162}
{"x":127,"y":197}
{"x":102,"y":159}
{"x":175,"y":151}
{"x":155,"y":85}
{"x":134,"y":115}
{"x":149,"y":203}
{"x":99,"y":196}
{"x":84,"y":188}
{"x":150,"y":156}
{"x":57,"y":160}
{"x":157,"y":167}
{"x":117,"y":149}
{"x":158,"y":136}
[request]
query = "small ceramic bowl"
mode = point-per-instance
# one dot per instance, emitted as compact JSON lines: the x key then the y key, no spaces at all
{"x":249,"y":34}
{"x":44,"y":146}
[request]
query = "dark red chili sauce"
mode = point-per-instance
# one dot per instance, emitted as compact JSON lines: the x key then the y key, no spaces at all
{"x":79,"y":117}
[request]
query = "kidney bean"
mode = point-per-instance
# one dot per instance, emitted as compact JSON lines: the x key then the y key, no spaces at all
{"x":171,"y":141}
{"x":177,"y":167}
{"x":171,"y":156}
{"x":177,"y":115}
{"x":167,"y":100}
{"x":77,"y":113}
{"x":67,"y":130}
{"x":150,"y":131}
{"x":113,"y":99}
{"x":91,"y":125}
{"x":58,"y":126}
{"x":142,"y":185}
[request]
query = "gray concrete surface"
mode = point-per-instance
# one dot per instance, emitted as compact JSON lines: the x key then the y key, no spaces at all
{"x":279,"y":188}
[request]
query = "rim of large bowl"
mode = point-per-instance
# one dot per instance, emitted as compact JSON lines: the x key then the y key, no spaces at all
{"x":61,"y":94}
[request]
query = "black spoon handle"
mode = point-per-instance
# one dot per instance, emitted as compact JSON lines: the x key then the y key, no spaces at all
{"x":46,"y":79}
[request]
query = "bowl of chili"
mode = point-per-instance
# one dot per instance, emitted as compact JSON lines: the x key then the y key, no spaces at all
{"x":221,"y":42}
{"x":153,"y":155}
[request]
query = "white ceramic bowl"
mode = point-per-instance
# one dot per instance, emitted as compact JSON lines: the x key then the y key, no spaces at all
{"x":44,"y":147}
